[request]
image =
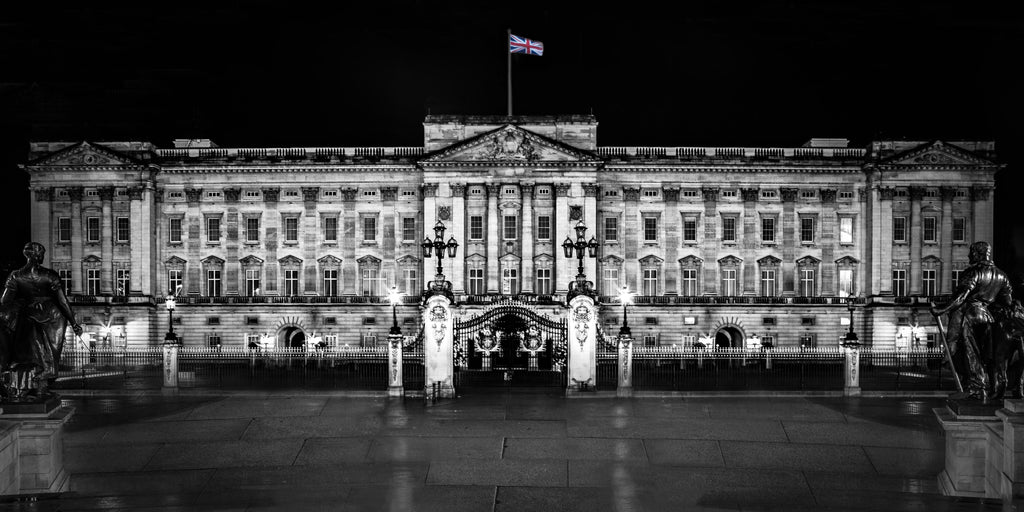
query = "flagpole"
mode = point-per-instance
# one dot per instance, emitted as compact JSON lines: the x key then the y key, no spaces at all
{"x":508,"y":53}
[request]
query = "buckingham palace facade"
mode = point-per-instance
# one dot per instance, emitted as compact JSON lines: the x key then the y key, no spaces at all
{"x":722,"y":243}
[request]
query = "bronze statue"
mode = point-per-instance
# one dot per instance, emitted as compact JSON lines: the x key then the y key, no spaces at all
{"x":978,"y":340}
{"x":35,"y":314}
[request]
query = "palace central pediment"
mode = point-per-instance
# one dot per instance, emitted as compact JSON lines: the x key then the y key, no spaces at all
{"x":88,"y":155}
{"x":938,"y":153}
{"x":510,"y":145}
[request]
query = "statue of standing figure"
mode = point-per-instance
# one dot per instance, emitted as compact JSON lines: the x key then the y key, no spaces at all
{"x":984,"y":327}
{"x":34,"y":314}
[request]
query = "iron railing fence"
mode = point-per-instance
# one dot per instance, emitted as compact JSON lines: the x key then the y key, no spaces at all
{"x":110,"y":368}
{"x":413,"y":374}
{"x":728,"y":369}
{"x":496,"y":377}
{"x":905,"y":370}
{"x":357,"y":368}
{"x":607,"y":370}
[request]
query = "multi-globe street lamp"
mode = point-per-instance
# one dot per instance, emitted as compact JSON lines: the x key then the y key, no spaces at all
{"x":439,"y":247}
{"x":851,"y":337}
{"x":170,"y":304}
{"x":625,"y":297}
{"x":582,"y":248}
{"x":394,"y":296}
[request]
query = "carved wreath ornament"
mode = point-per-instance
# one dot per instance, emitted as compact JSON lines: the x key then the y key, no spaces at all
{"x":511,"y":146}
{"x":438,"y":317}
{"x":582,"y":319}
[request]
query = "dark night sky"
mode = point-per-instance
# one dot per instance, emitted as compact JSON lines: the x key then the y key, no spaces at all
{"x":702,"y":73}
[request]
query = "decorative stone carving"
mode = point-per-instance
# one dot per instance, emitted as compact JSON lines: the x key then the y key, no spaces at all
{"x":671,"y":194}
{"x":590,"y":189}
{"x":980,"y":193}
{"x":444,"y":212}
{"x":429,"y":189}
{"x":458,"y":189}
{"x":310,"y":194}
{"x":76,"y":193}
{"x":828,"y":195}
{"x":44,"y":194}
{"x":135,"y":193}
{"x":947,"y":193}
{"x":348,"y":195}
{"x":511,"y":145}
{"x":789,"y":194}
{"x":749,"y":194}
{"x":232,"y":195}
{"x":575,"y":212}
{"x":916,"y":193}
{"x":493,"y":189}
{"x":862,"y":194}
{"x":934,"y":158}
{"x":389,"y":193}
{"x":887,"y":193}
{"x":710,"y":193}
{"x":562,"y":189}
{"x":582,"y":322}
{"x":105,"y":193}
{"x":631,"y":193}
{"x":438,"y":319}
{"x":271,"y":195}
{"x":192,"y":195}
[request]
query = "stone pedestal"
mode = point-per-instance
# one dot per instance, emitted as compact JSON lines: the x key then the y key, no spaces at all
{"x":32,"y":452}
{"x":396,"y":386}
{"x":171,"y":364}
{"x":581,"y":347}
{"x":625,"y":361}
{"x":1005,"y":475}
{"x":438,"y":346}
{"x":851,"y":370}
{"x":984,"y":450}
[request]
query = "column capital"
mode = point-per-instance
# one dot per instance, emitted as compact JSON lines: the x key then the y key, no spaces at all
{"x":458,"y":190}
{"x":916,"y":193}
{"x":590,"y":189}
{"x":710,"y":193}
{"x":749,"y":194}
{"x":75,"y":193}
{"x":562,"y":189}
{"x":980,"y":193}
{"x":862,"y":195}
{"x":135,"y":193}
{"x":44,"y":193}
{"x":105,"y":193}
{"x":192,"y":195}
{"x":788,"y":194}
{"x":887,"y":193}
{"x":493,"y":189}
{"x":631,"y":193}
{"x":271,"y":195}
{"x":947,"y":193}
{"x":389,"y":193}
{"x":671,"y":194}
{"x":310,"y":194}
{"x":429,"y":189}
{"x":828,"y":195}
{"x":232,"y":195}
{"x":348,"y":195}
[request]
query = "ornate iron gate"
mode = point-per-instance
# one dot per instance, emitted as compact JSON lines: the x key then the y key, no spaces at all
{"x":510,"y":344}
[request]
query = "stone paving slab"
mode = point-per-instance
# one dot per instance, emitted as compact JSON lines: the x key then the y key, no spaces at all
{"x":434,"y":448}
{"x":90,"y":458}
{"x":684,"y":452}
{"x":421,"y":498}
{"x":504,"y":472}
{"x":333,"y":450}
{"x":804,"y":457}
{"x":766,"y":431}
{"x":591,"y":473}
{"x":575,"y":448}
{"x":906,"y":461}
{"x":479,"y":428}
{"x":175,"y":431}
{"x":305,"y":427}
{"x":867,"y":434}
{"x":141,"y":483}
{"x":226,"y":454}
{"x":243,"y":407}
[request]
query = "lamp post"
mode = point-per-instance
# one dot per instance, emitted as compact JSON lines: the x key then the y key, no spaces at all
{"x":394,"y":296}
{"x":851,"y":337}
{"x":439,"y":247}
{"x":625,"y":297}
{"x":582,"y":248}
{"x":170,"y":305}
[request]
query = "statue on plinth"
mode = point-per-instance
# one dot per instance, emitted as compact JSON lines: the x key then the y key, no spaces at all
{"x":981,"y":336}
{"x":34,"y":314}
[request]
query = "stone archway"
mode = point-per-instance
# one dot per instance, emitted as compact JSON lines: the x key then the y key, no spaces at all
{"x":729,"y":337}
{"x":291,"y":336}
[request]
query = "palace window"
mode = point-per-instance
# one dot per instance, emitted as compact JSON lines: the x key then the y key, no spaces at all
{"x":807,"y":194}
{"x":65,"y":279}
{"x":476,"y":227}
{"x":331,"y":282}
{"x":768,"y":288}
{"x":330,"y":192}
{"x":769,"y":194}
{"x":123,"y":279}
{"x":252,"y":229}
{"x":807,"y":282}
{"x":846,"y":230}
{"x":509,"y":227}
{"x":213,"y":288}
{"x":611,"y":193}
{"x":929,"y":282}
{"x":899,"y":229}
{"x":91,"y":192}
{"x":92,"y":229}
{"x":64,"y":229}
{"x":690,"y":270}
{"x":899,"y":282}
{"x":369,"y":229}
{"x":330,"y":229}
{"x":543,"y":280}
{"x":728,"y":282}
{"x":252,"y":194}
{"x":214,"y":194}
{"x":544,"y":191}
{"x":213,"y":230}
{"x":931,"y":192}
{"x":955,"y":278}
{"x":845,"y":194}
{"x":543,"y":227}
{"x":291,"y":282}
{"x":728,"y":229}
{"x":174,"y":280}
{"x":510,"y":191}
{"x":611,"y":229}
{"x":291,"y":229}
{"x":959,"y":229}
{"x":650,"y":229}
{"x":846,"y":287}
{"x":174,"y":230}
{"x":691,"y":192}
{"x":650,"y":283}
{"x":901,"y":192}
{"x":928,"y":229}
{"x":768,"y":229}
{"x":731,"y":192}
{"x":807,"y":229}
{"x":176,"y":194}
{"x":252,"y":282}
{"x":92,"y":281}
{"x":961,"y":192}
{"x":651,"y":192}
{"x":124,"y":231}
{"x":807,"y":276}
{"x":291,"y":193}
{"x":410,"y":281}
{"x":690,"y":229}
{"x":370,"y":193}
{"x":475,"y":268}
{"x":409,"y":229}
{"x":372,"y":280}
{"x":509,"y":278}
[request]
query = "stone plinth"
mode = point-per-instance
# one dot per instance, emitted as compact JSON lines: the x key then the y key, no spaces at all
{"x":1005,"y":474}
{"x":32,"y":452}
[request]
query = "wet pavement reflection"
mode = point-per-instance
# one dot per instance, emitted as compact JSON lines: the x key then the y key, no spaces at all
{"x":267,"y":451}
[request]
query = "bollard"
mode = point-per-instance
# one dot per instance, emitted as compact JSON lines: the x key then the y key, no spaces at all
{"x":851,"y":369}
{"x":625,"y":387}
{"x":171,"y":364}
{"x":396,"y":386}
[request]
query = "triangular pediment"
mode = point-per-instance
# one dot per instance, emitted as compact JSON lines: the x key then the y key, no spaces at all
{"x":691,"y":261}
{"x":289,"y":261}
{"x":611,"y":259}
{"x":87,"y":154}
{"x":174,"y":261}
{"x":509,"y":144}
{"x":847,"y":261}
{"x":729,"y":261}
{"x":408,"y":260}
{"x":938,"y":153}
{"x":250,"y":260}
{"x":769,"y":261}
{"x":329,"y":260}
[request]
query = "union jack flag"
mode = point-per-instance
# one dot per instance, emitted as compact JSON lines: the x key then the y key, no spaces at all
{"x":518,"y":44}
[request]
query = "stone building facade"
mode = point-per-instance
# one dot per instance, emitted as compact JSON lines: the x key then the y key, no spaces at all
{"x":275,"y":245}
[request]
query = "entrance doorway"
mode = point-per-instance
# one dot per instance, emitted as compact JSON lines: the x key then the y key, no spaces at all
{"x":729,"y":337}
{"x":291,"y":337}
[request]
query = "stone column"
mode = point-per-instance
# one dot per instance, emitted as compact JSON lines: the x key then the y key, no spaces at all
{"x":672,"y":237}
{"x":42,"y":223}
{"x":396,"y":387}
{"x":631,"y":238}
{"x":916,"y":193}
{"x":625,"y":361}
{"x":493,"y":238}
{"x":349,"y":266}
{"x":828,"y":241}
{"x":270,"y":266}
{"x":788,"y":266}
{"x":862,"y":238}
{"x":590,"y":219}
{"x":139,"y":247}
{"x":581,"y":346}
{"x":190,"y":227}
{"x":458,"y":229}
{"x":106,"y":240}
{"x":232,"y":277}
{"x":310,"y":196}
{"x":946,"y":243}
{"x":528,"y":276}
{"x":77,"y":236}
{"x":851,"y":373}
{"x":983,"y":219}
{"x":709,"y":251}
{"x":439,"y":367}
{"x":883,"y":238}
{"x":749,"y":243}
{"x":390,"y":228}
